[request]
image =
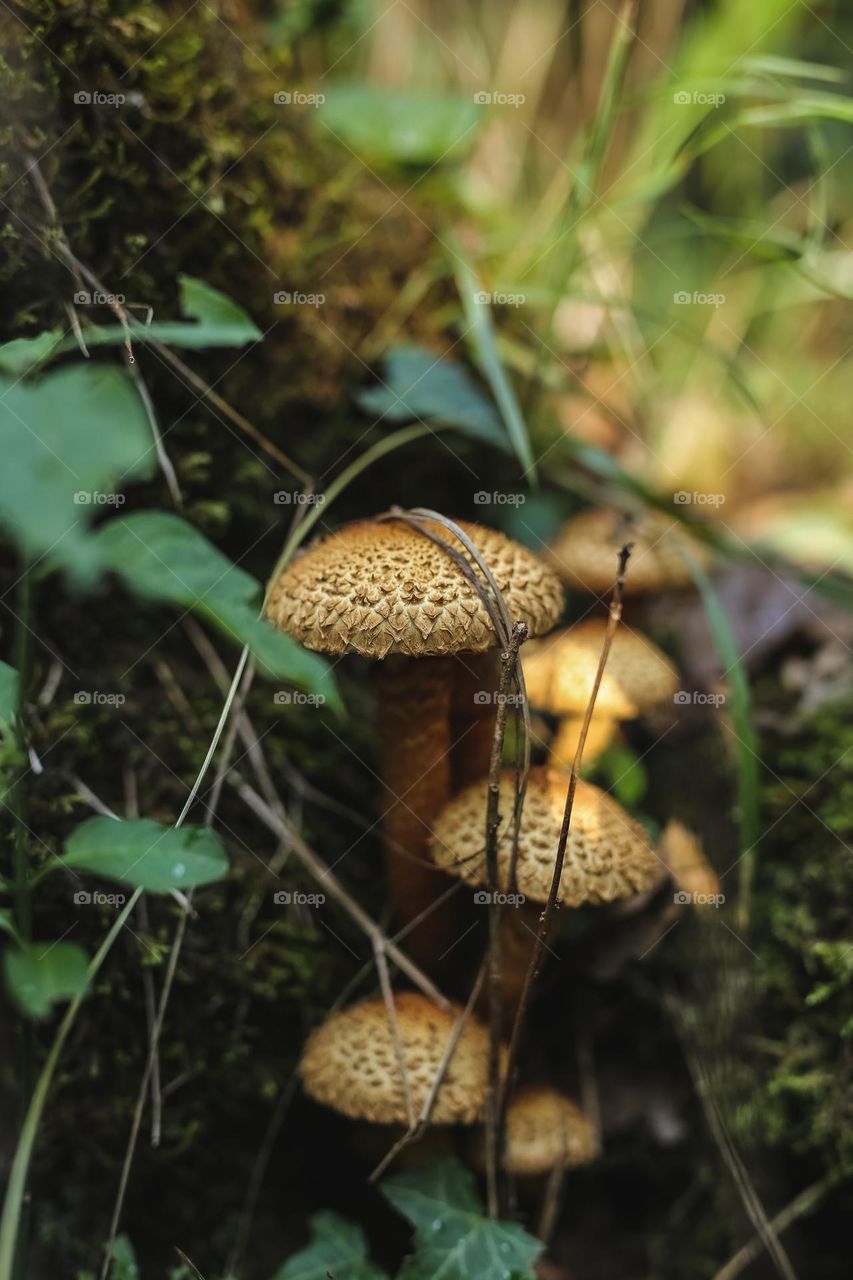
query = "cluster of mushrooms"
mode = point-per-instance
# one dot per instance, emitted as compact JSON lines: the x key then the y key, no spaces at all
{"x":388,"y":589}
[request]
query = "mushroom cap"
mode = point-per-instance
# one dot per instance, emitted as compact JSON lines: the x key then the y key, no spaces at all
{"x":544,"y":1129}
{"x":585,"y":550}
{"x":683,"y":855}
{"x":379,"y":587}
{"x":608,"y":855}
{"x":560,"y":672}
{"x":350,"y":1063}
{"x":564,"y":744}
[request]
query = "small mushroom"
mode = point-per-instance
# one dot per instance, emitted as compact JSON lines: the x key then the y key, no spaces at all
{"x":608,"y":855}
{"x":350,"y":1062}
{"x":584,"y":552}
{"x":544,"y":1130}
{"x":560,"y":673}
{"x":691,"y":871}
{"x":384,"y":590}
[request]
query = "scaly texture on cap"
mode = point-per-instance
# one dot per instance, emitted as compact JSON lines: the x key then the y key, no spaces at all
{"x":544,"y":1129}
{"x":383,"y":587}
{"x":585,"y":551}
{"x":349,"y":1063}
{"x":608,"y":855}
{"x":560,"y":672}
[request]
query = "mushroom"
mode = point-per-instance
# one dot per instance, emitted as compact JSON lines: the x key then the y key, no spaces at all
{"x":691,"y":871}
{"x":608,"y":856}
{"x":350,"y":1063}
{"x":560,"y":673}
{"x":564,"y":745}
{"x":583,"y":551}
{"x":384,"y":590}
{"x":544,"y":1130}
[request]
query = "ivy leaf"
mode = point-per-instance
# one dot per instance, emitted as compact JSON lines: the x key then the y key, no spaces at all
{"x":453,"y":1239}
{"x":399,"y":127}
{"x":123,"y":1260}
{"x":146,"y":854}
{"x":68,"y":440}
{"x":338,"y":1248}
{"x":417,"y":384}
{"x":22,"y":354}
{"x":159,"y":556}
{"x":42,"y":972}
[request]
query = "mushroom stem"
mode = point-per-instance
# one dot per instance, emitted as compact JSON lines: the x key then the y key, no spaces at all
{"x":414,"y":699}
{"x":476,"y":678}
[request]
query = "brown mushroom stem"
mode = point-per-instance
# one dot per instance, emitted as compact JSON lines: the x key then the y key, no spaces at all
{"x":415,"y":738}
{"x":476,"y":677}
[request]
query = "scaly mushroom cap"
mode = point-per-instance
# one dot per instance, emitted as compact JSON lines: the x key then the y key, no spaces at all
{"x":608,"y":855}
{"x":560,"y":671}
{"x":585,"y":551}
{"x":564,"y":744}
{"x":383,"y":587}
{"x":349,"y":1062}
{"x":544,"y":1129}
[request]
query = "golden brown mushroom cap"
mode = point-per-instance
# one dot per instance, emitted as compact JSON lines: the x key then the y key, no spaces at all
{"x":349,"y":1062}
{"x":383,"y":587}
{"x":585,"y":551}
{"x":544,"y":1129}
{"x":608,"y":855}
{"x":560,"y":671}
{"x":682,"y":853}
{"x":564,"y":744}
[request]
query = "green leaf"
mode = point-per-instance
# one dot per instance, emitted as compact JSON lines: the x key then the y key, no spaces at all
{"x":23,"y":354}
{"x":42,"y":972}
{"x":123,"y":1260}
{"x":68,"y":441}
{"x":418,"y":384}
{"x":10,"y":684}
{"x":398,"y":127}
{"x":338,"y":1248}
{"x":218,"y":321}
{"x":7,"y":924}
{"x":453,"y":1240}
{"x":161,"y":557}
{"x":146,"y":854}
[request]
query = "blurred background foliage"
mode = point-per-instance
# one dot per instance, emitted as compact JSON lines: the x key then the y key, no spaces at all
{"x":662,"y":152}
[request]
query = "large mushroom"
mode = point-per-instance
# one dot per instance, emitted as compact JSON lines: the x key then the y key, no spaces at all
{"x":386,"y":591}
{"x":350,"y":1063}
{"x":583,"y":551}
